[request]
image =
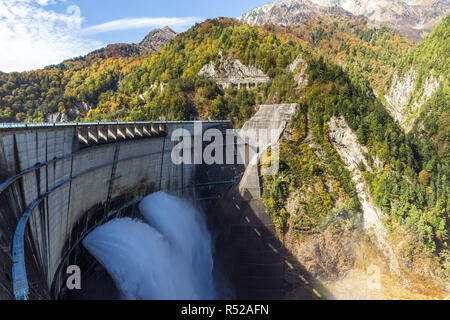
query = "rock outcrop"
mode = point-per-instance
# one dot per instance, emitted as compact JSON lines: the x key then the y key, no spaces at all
{"x":156,"y":40}
{"x":404,"y":101}
{"x":231,"y":71}
{"x":298,"y":68}
{"x":55,"y":117}
{"x":352,"y":153}
{"x":78,"y":109}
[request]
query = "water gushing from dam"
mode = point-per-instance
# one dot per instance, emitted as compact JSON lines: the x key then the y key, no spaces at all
{"x":168,"y":257}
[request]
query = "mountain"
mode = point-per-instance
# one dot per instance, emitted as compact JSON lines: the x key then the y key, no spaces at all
{"x":67,"y":91}
{"x":289,"y":12}
{"x":152,"y":43}
{"x":414,"y":19}
{"x":157,"y":39}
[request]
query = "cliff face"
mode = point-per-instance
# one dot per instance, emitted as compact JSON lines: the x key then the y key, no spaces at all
{"x":298,"y":68}
{"x":79,"y":109}
{"x":352,"y":153}
{"x":404,"y":102}
{"x":232,"y":69}
{"x":418,"y":77}
{"x":228,"y":71}
{"x":414,"y":19}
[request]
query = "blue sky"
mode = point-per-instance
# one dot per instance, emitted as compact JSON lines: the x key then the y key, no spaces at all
{"x":100,"y":11}
{"x":37,"y":33}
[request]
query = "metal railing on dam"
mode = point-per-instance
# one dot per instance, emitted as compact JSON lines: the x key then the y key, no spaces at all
{"x":56,"y":178}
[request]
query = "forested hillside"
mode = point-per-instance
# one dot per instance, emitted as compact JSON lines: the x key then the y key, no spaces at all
{"x":110,"y":80}
{"x":363,"y":51}
{"x":32,"y":96}
{"x":411,"y":186}
{"x":431,"y":60}
{"x":406,"y":192}
{"x":188,"y":95}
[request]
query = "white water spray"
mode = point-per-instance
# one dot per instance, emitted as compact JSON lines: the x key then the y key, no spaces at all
{"x":168,"y":258}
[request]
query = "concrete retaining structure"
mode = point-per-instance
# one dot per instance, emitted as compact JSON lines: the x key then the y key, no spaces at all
{"x":261,"y":132}
{"x":58,"y":181}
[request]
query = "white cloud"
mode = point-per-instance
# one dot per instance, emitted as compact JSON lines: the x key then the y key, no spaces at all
{"x":33,"y":36}
{"x":139,"y":23}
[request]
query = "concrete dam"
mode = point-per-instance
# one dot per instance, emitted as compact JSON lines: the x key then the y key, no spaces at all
{"x":59,"y":182}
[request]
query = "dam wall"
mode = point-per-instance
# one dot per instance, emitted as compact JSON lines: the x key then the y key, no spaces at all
{"x":57,"y":182}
